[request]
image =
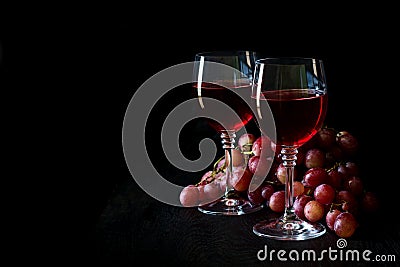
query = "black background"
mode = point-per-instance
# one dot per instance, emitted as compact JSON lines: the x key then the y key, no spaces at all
{"x":86,"y":70}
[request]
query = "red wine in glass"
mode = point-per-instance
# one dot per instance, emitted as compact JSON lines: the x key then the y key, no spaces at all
{"x":233,"y":97}
{"x":294,"y":92}
{"x":298,"y":114}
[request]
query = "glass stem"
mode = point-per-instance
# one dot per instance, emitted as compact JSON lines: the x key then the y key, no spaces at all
{"x":289,"y":162}
{"x":228,"y":140}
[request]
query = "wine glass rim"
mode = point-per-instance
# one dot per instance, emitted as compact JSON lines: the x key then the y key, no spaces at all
{"x":219,"y":53}
{"x":271,"y":60}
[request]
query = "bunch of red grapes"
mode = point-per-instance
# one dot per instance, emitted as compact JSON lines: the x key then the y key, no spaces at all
{"x":327,"y":183}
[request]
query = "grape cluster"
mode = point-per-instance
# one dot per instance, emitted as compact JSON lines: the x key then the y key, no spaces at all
{"x":327,"y":181}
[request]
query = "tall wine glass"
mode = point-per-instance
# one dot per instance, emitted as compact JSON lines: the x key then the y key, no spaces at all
{"x":295,"y":91}
{"x":222,"y":83}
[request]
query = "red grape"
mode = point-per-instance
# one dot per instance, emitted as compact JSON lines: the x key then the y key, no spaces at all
{"x":326,"y":179}
{"x":299,"y":204}
{"x":255,"y":196}
{"x":314,"y":211}
{"x":330,"y":218}
{"x":347,"y":142}
{"x":310,"y":143}
{"x":370,"y":202}
{"x":355,"y":186}
{"x":277,"y":201}
{"x":335,"y":178}
{"x":267,"y":191}
{"x":345,"y":224}
{"x":333,"y":155}
{"x":352,"y":168}
{"x":344,"y":171}
{"x":314,"y":158}
{"x":326,"y":138}
{"x":314,"y":177}
{"x":189,"y":196}
{"x":271,"y":176}
{"x":301,"y":156}
{"x":348,"y":199}
{"x":324,"y":194}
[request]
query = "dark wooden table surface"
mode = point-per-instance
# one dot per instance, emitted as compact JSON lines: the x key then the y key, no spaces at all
{"x":135,"y":228}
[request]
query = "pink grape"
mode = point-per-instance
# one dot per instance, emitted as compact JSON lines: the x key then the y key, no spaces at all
{"x":189,"y":196}
{"x":324,"y":194}
{"x":202,"y":196}
{"x":220,"y":179}
{"x":262,"y":144}
{"x":281,"y":173}
{"x":238,"y":158}
{"x":345,"y":225}
{"x":330,"y":218}
{"x":212,"y":191}
{"x":299,"y":204}
{"x":314,"y":157}
{"x":206,"y":177}
{"x":259,"y":166}
{"x":276,"y":149}
{"x":314,"y":211}
{"x":298,"y":188}
{"x":221,"y":164}
{"x":241,"y":178}
{"x":246,"y":141}
{"x":277,"y":201}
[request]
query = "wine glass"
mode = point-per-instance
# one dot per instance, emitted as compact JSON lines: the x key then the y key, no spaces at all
{"x":222,"y":83}
{"x":295,"y":91}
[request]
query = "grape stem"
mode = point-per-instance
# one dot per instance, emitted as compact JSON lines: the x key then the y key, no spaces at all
{"x":337,"y":205}
{"x":214,"y":172}
{"x":335,"y":165}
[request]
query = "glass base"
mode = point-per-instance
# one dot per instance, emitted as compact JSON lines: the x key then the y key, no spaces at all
{"x":288,"y":230}
{"x":230,"y":206}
